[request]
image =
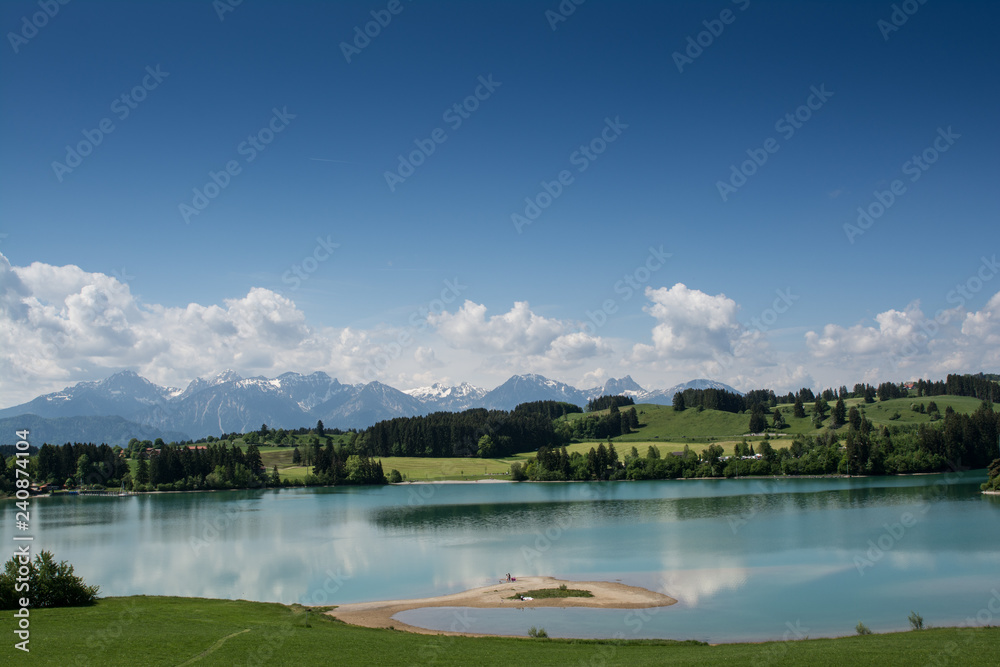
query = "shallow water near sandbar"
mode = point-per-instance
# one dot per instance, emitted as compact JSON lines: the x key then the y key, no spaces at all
{"x":746,"y":559}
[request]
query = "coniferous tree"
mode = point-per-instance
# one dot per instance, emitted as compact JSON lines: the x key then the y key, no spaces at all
{"x":854,"y":418}
{"x":142,"y":471}
{"x":839,"y":414}
{"x":758,"y":423}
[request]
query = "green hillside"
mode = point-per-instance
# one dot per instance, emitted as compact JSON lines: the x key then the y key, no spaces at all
{"x":663,"y":423}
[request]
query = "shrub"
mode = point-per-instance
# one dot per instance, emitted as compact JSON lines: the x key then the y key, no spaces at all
{"x":862,"y":629}
{"x":395,"y":477}
{"x":538,"y":633}
{"x":50,"y":584}
{"x":916,"y":621}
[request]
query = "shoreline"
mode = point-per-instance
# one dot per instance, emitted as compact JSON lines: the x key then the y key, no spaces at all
{"x":607,"y":595}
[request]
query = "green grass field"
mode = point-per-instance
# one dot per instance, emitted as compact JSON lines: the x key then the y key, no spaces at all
{"x":152,"y":631}
{"x":420,"y":469}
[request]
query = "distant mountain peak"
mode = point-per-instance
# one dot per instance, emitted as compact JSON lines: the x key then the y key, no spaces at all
{"x":226,"y":402}
{"x":228,"y":375}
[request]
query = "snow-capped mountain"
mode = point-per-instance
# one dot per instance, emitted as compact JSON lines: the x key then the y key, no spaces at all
{"x":371,"y":403}
{"x":124,"y":394}
{"x":227,"y":402}
{"x":198,"y":384}
{"x":439,"y":397}
{"x":666,"y":396}
{"x":531,"y":387}
{"x":626,"y":386}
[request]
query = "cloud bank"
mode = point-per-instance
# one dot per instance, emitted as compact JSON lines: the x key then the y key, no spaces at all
{"x":60,"y":325}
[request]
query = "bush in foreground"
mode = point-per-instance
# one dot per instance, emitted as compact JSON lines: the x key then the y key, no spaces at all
{"x":50,"y":584}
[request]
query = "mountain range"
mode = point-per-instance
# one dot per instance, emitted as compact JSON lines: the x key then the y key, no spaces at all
{"x":132,"y":406}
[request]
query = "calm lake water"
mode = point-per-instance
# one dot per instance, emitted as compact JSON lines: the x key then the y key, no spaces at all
{"x":746,"y":559}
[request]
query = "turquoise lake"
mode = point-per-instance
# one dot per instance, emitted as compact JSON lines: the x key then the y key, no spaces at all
{"x":746,"y":559}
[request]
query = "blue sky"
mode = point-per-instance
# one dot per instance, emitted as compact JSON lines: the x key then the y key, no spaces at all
{"x":175,"y":296}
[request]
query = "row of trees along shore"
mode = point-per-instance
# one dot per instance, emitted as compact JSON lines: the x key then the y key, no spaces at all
{"x":184,"y":468}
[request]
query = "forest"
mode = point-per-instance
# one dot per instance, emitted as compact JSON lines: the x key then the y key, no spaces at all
{"x":477,"y":432}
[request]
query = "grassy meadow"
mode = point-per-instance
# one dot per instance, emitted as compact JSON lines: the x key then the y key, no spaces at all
{"x":153,"y":631}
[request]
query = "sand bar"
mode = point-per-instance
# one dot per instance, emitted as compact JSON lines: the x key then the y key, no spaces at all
{"x":607,"y":595}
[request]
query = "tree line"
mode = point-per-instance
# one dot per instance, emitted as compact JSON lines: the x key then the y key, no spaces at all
{"x":450,"y":434}
{"x":180,"y":468}
{"x":605,"y":402}
{"x":332,"y":467}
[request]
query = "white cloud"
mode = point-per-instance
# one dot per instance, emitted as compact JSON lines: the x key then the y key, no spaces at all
{"x":904,"y":344}
{"x":691,"y":324}
{"x":60,"y":325}
{"x":519,"y":334}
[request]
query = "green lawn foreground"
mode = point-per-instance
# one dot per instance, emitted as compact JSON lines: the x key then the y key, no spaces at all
{"x":152,"y":631}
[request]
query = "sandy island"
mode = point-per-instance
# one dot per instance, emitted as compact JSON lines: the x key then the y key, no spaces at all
{"x":607,"y":595}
